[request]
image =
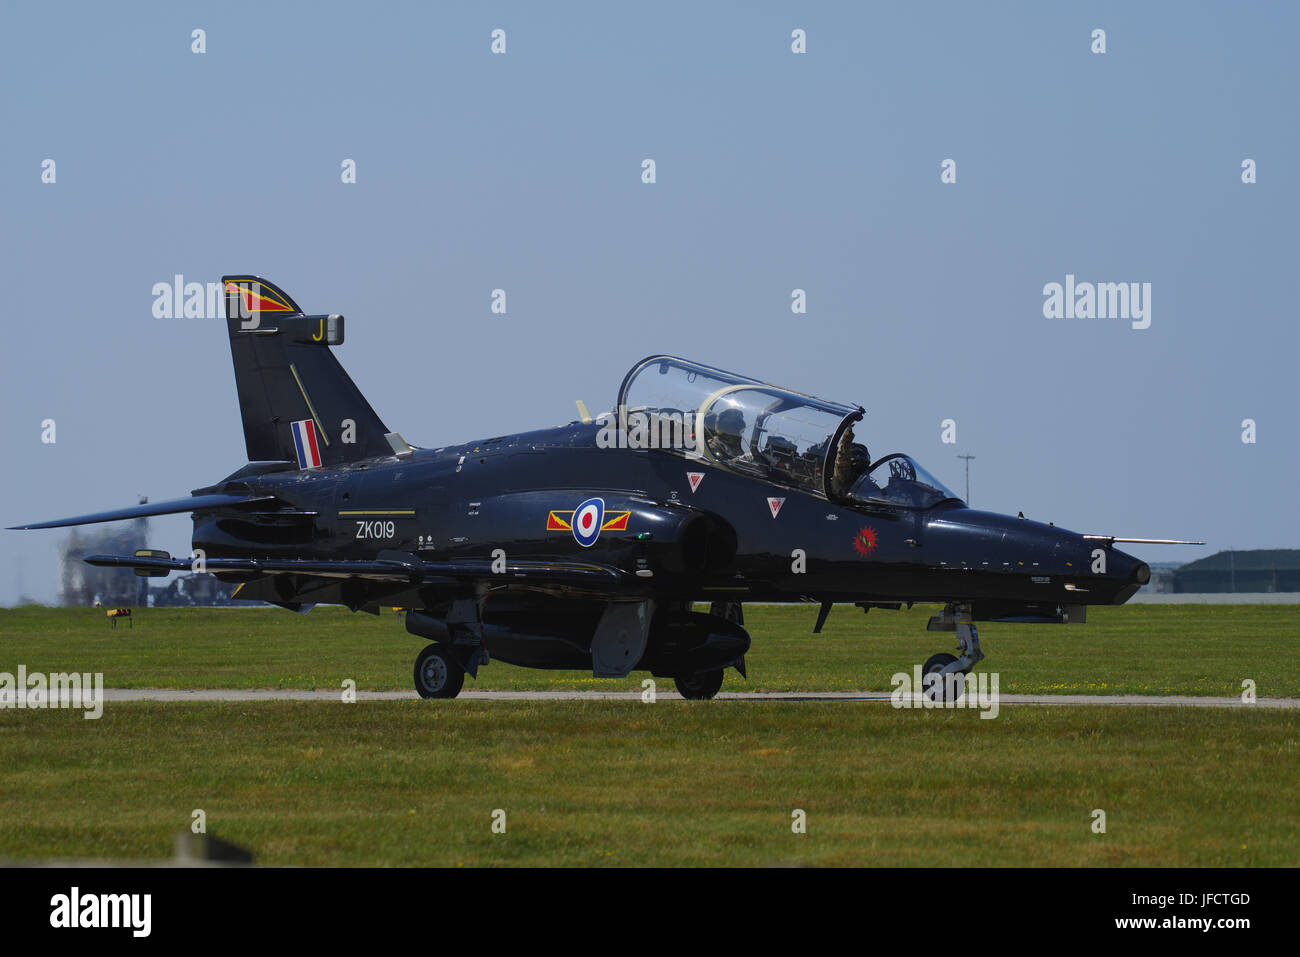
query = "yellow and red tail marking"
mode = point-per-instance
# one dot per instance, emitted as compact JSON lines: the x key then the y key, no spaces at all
{"x":262,"y":300}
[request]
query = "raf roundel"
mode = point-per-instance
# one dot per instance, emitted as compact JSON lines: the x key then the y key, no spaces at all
{"x":587,"y":520}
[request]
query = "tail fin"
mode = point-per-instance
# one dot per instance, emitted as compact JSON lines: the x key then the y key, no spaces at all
{"x":297,"y":402}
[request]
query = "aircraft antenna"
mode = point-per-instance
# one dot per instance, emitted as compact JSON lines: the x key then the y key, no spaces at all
{"x":967,"y":458}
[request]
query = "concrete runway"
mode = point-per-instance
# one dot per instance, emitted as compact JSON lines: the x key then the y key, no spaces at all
{"x":868,"y":697}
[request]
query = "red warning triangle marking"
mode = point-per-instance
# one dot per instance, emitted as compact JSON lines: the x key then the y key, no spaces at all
{"x":775,"y":505}
{"x":695,"y":478}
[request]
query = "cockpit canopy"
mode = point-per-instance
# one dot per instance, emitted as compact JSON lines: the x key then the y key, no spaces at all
{"x":758,"y":429}
{"x":898,"y":479}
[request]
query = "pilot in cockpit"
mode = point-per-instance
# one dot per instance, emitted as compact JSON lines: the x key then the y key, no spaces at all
{"x":724,"y":439}
{"x":860,"y":460}
{"x":851,"y":467}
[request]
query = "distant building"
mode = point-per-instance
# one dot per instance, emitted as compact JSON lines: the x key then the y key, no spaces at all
{"x":1256,"y":570}
{"x":84,"y":585}
{"x":1162,"y":578}
{"x":194,"y":589}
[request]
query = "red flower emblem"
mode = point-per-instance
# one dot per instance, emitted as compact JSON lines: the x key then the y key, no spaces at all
{"x":864,"y":543}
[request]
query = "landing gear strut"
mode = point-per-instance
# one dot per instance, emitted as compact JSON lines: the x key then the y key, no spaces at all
{"x":437,"y":673}
{"x":955,"y":617}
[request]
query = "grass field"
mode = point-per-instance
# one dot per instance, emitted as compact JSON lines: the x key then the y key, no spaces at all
{"x":1137,"y":649}
{"x":696,"y":783}
{"x":623,"y":783}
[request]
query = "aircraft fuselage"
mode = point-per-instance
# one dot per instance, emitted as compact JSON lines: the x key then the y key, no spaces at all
{"x":731,"y":537}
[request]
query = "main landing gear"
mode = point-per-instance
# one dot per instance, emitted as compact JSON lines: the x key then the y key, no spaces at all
{"x":703,"y":686}
{"x":437,"y":673}
{"x":699,"y":687}
{"x":955,"y":617}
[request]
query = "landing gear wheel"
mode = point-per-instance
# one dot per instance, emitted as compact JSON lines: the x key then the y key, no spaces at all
{"x":933,"y":665}
{"x":699,"y":687}
{"x":437,"y":673}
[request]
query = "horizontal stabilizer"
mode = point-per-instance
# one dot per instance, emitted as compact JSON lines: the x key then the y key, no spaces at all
{"x":173,"y":507}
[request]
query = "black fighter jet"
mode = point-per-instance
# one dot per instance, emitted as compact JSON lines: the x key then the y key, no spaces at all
{"x":586,"y":546}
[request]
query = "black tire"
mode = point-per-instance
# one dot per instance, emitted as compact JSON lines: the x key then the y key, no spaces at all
{"x":699,"y":687}
{"x":437,"y":673}
{"x":933,"y":664}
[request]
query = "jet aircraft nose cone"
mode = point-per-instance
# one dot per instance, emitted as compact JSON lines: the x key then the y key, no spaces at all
{"x":1141,"y":573}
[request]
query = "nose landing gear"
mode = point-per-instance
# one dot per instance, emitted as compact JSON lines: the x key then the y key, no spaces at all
{"x":956,"y":617}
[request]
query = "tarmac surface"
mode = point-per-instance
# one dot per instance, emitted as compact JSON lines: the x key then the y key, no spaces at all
{"x":844,"y":697}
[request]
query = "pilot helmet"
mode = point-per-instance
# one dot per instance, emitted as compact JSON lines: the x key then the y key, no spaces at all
{"x":731,"y":423}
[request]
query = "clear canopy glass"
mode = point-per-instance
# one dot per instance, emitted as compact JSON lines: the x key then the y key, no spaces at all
{"x":743,"y":424}
{"x":899,"y":480}
{"x":759,"y":429}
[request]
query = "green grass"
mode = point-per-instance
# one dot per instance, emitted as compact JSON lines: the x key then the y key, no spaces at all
{"x":625,"y":783}
{"x":1137,"y":649}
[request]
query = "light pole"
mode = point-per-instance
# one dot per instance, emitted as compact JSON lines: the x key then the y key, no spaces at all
{"x":967,"y":458}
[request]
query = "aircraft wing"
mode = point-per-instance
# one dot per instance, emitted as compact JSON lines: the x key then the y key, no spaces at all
{"x":389,"y":566}
{"x":174,"y":506}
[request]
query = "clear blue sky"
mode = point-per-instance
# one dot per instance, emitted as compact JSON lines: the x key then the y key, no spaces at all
{"x":775,"y":171}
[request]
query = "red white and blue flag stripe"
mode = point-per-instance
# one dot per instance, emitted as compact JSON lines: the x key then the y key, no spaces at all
{"x":304,"y":440}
